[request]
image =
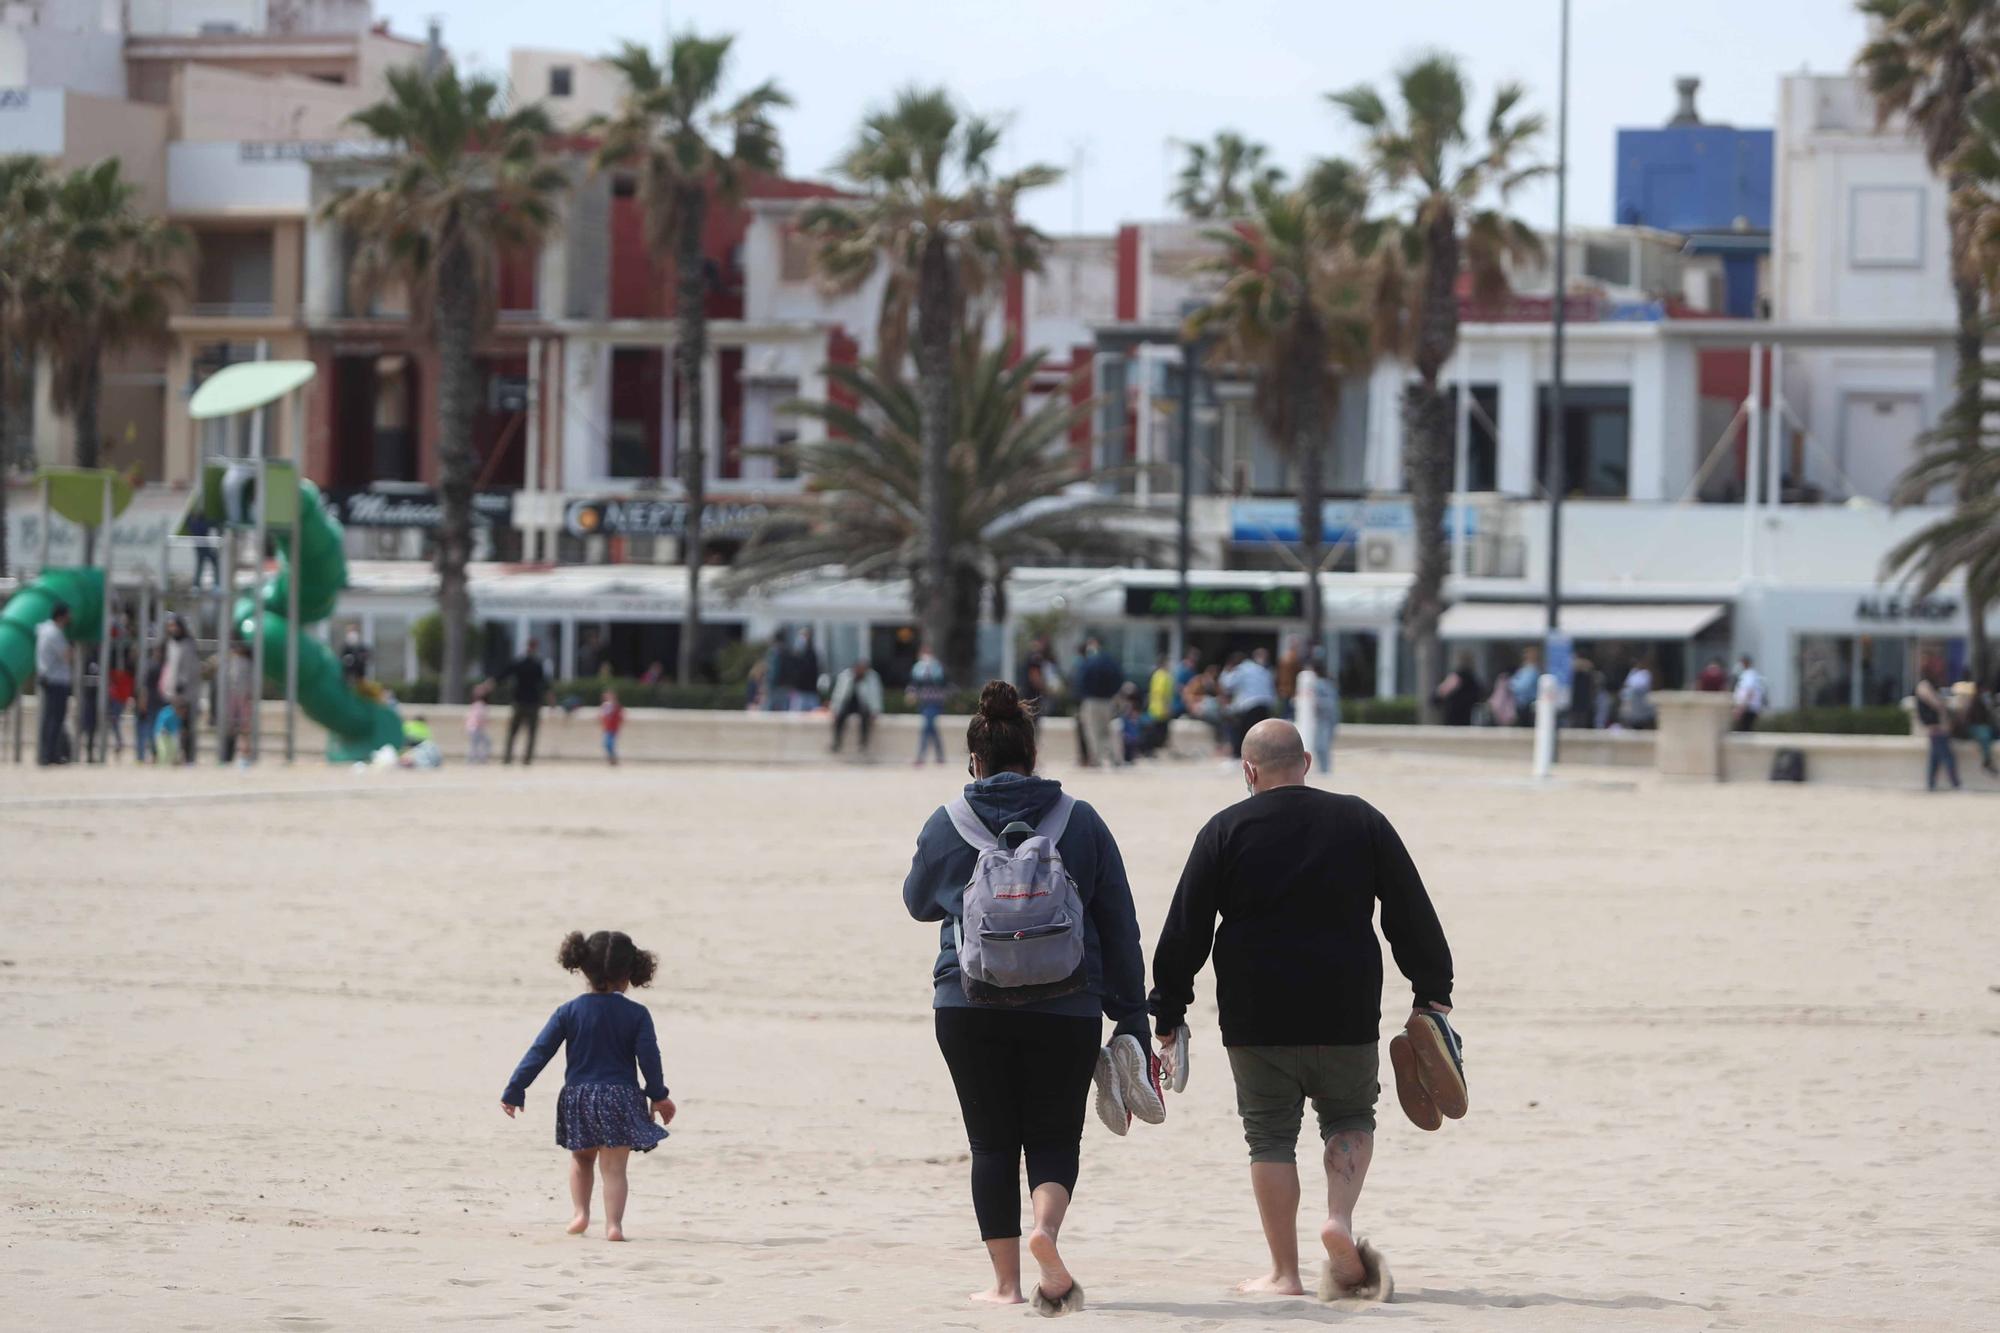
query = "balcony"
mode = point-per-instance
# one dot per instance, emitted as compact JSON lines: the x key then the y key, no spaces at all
{"x":237,"y":179}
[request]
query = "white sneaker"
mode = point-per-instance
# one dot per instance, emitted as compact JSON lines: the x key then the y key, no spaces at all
{"x":1110,"y":1099}
{"x":1178,"y":1080}
{"x":1138,"y":1078}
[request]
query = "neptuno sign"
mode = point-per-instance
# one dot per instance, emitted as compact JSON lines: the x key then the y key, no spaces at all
{"x":658,"y":518}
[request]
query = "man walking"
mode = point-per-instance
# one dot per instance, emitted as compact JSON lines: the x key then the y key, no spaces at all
{"x":1749,"y":694}
{"x":1295,"y":873}
{"x":1099,"y":678}
{"x":531,"y":690}
{"x":1253,"y":696}
{"x":53,"y":673}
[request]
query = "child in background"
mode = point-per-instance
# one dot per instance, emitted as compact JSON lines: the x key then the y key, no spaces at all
{"x":479,"y":745}
{"x":610,"y":716}
{"x":119,"y":688}
{"x":602,"y":1113}
{"x":167,"y":733}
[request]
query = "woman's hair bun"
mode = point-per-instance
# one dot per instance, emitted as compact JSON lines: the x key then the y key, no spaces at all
{"x":1001,"y":702}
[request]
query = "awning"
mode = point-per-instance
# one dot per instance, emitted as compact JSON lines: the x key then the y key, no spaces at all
{"x":1527,"y":621}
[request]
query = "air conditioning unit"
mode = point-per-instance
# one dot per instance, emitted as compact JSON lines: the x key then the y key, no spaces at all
{"x":1385,"y":553}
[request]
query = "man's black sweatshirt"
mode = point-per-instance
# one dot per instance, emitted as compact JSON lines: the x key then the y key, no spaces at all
{"x":1295,"y":874}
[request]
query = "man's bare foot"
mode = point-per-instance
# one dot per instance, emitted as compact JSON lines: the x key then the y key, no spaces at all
{"x":612,"y":1231}
{"x":578,"y":1224}
{"x":1272,"y":1284}
{"x":1342,"y":1254}
{"x":995,"y":1296}
{"x":1056,"y":1280}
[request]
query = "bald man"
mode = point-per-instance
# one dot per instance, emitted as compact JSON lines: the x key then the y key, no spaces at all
{"x":1295,"y":873}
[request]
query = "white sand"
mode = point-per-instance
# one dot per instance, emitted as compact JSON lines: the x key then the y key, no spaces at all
{"x":1732,"y":1054}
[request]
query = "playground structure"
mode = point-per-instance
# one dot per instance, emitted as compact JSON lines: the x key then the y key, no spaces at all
{"x":255,"y":494}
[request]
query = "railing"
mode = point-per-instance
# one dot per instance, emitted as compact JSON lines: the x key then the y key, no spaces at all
{"x":233,"y":309}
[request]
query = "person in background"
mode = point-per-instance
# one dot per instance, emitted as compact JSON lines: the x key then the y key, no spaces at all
{"x":1500,"y":703}
{"x":1586,"y":688}
{"x":1714,"y":677}
{"x":478,"y":744}
{"x":654,"y":674}
{"x":239,"y":701}
{"x":1099,"y":680}
{"x":1290,"y":662}
{"x":1253,"y":696}
{"x":1036,"y":682}
{"x":86,"y":709}
{"x":610,"y":720}
{"x":927,"y":693}
{"x":802,"y":674}
{"x":1201,"y":699}
{"x":1635,"y":698}
{"x":206,"y":557}
{"x":1185,"y":671}
{"x":777,"y":664}
{"x":1326,"y":711}
{"x":167,"y":732}
{"x":354,"y":656}
{"x":146,"y":707}
{"x":54,"y":682}
{"x":181,"y":682}
{"x":1162,"y":702}
{"x":1458,"y":694}
{"x":857,"y":692}
{"x":1078,"y":688}
{"x":1934,"y":716}
{"x":1749,"y":694}
{"x":1524,"y":684}
{"x":119,"y":691}
{"x":1978,"y":712}
{"x":531,"y":692}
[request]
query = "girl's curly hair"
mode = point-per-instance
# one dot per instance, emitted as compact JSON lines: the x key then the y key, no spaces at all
{"x":607,"y":958}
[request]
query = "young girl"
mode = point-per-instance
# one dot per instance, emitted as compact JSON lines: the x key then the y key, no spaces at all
{"x":601,"y":1113}
{"x":611,"y":717}
{"x":480,"y":745}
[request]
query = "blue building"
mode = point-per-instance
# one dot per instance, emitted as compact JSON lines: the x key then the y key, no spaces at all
{"x":1710,"y":183}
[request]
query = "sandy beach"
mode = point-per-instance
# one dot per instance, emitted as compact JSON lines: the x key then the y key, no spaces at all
{"x":1734,"y":1052}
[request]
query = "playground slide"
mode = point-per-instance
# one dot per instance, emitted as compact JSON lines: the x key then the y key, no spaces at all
{"x":357,"y":723}
{"x":81,"y":590}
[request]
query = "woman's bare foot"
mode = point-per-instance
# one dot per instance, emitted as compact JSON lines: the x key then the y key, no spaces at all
{"x":1342,"y":1254}
{"x":578,"y":1224}
{"x":1056,"y":1280}
{"x":1272,"y":1284}
{"x":612,"y":1231}
{"x":998,"y":1296}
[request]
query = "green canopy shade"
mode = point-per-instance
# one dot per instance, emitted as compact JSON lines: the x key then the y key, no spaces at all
{"x":247,"y":386}
{"x":77,"y":493}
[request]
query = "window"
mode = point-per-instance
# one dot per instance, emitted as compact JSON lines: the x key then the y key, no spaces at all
{"x":1482,"y":454}
{"x":795,"y":257}
{"x":560,"y":79}
{"x":1598,"y":434}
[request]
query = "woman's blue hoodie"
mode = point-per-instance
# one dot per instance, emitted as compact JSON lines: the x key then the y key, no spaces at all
{"x":943,"y":865}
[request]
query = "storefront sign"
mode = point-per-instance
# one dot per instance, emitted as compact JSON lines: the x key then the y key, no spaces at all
{"x":1254,"y":522}
{"x":1891,"y":610}
{"x":312,"y":150}
{"x":138,"y":536}
{"x":659,"y":518}
{"x":1216,"y":603}
{"x":416,"y":508}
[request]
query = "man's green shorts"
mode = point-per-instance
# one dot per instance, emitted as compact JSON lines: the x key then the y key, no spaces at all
{"x":1273,"y":1082}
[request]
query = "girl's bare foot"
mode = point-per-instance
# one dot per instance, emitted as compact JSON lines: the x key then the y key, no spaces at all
{"x":1056,"y":1280}
{"x":1272,"y":1284}
{"x":612,"y":1231}
{"x":999,"y":1296}
{"x":578,"y":1224}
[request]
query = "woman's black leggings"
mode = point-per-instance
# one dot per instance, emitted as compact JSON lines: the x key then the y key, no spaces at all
{"x":1023,"y":1081}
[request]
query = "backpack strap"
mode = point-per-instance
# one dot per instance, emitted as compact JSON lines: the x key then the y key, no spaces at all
{"x":1057,"y":819}
{"x":970,"y":827}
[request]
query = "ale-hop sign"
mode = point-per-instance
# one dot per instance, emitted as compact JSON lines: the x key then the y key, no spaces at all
{"x":1889,"y":610}
{"x":659,"y":518}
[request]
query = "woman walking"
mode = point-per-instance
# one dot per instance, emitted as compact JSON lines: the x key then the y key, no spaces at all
{"x":1022,"y":1049}
{"x":1934,"y":716}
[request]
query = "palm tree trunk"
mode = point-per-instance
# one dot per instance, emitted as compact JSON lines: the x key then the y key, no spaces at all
{"x":457,"y":326}
{"x":1427,"y":453}
{"x":935,"y":326}
{"x":690,"y":350}
{"x":6,"y":441}
{"x":1308,"y":392}
{"x":88,"y":408}
{"x":1969,"y":341}
{"x":966,"y":589}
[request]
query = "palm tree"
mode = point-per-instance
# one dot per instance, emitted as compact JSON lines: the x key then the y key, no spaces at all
{"x":1223,"y":179}
{"x":24,"y":202}
{"x":1967,"y":539}
{"x":688,"y":149}
{"x":1933,"y":61}
{"x":936,"y":214}
{"x":1296,"y":307}
{"x":468,"y":182}
{"x":1007,"y":491}
{"x":1454,"y":188}
{"x":110,"y":276}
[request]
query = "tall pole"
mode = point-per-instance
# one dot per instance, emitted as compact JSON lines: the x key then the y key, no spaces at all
{"x":1558,"y":462}
{"x":100,"y":739}
{"x":292,"y":581}
{"x":258,"y":447}
{"x":1190,"y":359}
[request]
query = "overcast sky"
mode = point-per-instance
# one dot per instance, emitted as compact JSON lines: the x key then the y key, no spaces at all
{"x":1115,"y":82}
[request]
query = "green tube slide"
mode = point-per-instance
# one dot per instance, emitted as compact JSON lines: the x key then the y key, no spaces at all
{"x":357,"y":724}
{"x":81,"y":590}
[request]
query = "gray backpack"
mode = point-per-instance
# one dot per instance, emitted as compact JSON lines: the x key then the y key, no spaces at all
{"x":1020,"y":930}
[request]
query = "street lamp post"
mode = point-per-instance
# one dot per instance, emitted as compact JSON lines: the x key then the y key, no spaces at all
{"x":1190,"y":362}
{"x":1558,"y":461}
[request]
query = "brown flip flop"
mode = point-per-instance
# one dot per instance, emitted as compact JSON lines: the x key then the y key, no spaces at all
{"x":1439,"y":1065}
{"x":1418,"y":1104}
